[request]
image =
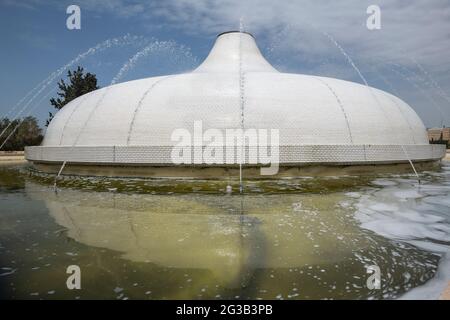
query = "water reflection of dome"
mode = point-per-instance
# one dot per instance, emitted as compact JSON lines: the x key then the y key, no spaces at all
{"x":272,"y":242}
{"x":320,"y":120}
{"x":201,"y":232}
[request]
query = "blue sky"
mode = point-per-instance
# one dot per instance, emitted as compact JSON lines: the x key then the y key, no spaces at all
{"x":409,"y":56}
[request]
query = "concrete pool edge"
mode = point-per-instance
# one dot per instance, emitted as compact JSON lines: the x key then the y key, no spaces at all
{"x":230,"y":172}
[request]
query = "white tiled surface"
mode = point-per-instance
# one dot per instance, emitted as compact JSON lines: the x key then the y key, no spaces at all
{"x":308,"y":154}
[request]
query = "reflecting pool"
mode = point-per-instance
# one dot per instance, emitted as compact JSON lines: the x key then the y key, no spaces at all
{"x":309,"y":238}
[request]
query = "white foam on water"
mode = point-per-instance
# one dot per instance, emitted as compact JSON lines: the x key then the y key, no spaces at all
{"x":407,"y":194}
{"x":353,"y":194}
{"x":439,"y":200}
{"x":384,"y":182}
{"x":433,"y":288}
{"x":402,"y":211}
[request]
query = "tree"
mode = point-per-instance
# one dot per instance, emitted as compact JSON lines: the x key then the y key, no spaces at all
{"x":79,"y":84}
{"x":29,"y":133}
{"x":20,"y":133}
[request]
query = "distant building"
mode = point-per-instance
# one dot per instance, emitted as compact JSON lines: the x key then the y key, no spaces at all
{"x":435,"y":134}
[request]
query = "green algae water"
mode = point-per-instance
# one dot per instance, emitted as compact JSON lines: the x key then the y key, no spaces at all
{"x":309,"y":238}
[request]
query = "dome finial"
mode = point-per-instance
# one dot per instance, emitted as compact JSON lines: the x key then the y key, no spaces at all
{"x":235,"y":31}
{"x":233,"y":50}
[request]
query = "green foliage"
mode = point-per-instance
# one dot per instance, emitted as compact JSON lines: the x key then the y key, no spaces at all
{"x":21,"y":133}
{"x":79,"y":84}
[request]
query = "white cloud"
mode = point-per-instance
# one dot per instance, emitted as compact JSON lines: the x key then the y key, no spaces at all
{"x":292,"y":30}
{"x":418,"y":28}
{"x":409,"y":27}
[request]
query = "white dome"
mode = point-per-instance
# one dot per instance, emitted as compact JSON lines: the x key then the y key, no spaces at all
{"x":309,"y":111}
